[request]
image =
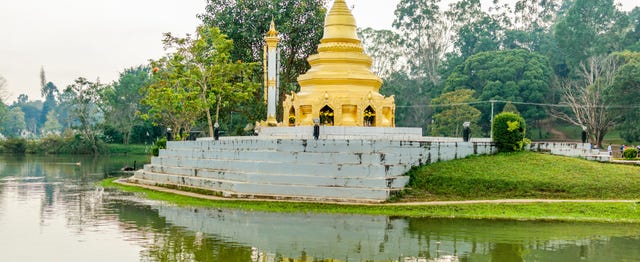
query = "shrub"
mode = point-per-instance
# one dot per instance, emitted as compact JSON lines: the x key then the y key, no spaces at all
{"x":509,"y":131}
{"x":160,"y":144}
{"x":630,"y":153}
{"x":15,"y":145}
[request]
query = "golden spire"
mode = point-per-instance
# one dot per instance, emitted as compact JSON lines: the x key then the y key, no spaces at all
{"x":340,"y":24}
{"x":272,"y":37}
{"x":340,"y":49}
{"x":272,"y":30}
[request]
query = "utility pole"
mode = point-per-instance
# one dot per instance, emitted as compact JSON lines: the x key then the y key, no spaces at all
{"x":491,"y":122}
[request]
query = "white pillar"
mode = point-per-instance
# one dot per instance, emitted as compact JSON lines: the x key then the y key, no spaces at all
{"x":272,"y":40}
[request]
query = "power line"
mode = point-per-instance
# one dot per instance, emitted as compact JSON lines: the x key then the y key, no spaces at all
{"x":522,"y":103}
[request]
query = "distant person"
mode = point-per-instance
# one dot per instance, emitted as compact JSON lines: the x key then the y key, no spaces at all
{"x":609,"y":150}
{"x":622,"y":147}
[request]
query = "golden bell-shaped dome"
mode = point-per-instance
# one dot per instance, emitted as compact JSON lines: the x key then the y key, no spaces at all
{"x":340,"y":88}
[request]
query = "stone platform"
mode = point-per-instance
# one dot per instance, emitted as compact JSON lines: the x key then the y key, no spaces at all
{"x":340,"y":169}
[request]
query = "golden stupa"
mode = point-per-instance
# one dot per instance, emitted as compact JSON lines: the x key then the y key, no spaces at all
{"x":340,"y":89}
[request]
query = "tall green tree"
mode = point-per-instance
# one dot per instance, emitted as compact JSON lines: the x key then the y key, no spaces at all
{"x":384,"y":48}
{"x":172,"y":101}
{"x":121,"y":100}
{"x":300,"y":23}
{"x":426,"y":36}
{"x":86,"y":97}
{"x":64,"y":109}
{"x":49,"y":91}
{"x":589,"y":28}
{"x":452,"y":109}
{"x":412,"y":99}
{"x":3,"y":90}
{"x":32,"y":111}
{"x":52,"y":125}
{"x":3,"y":106}
{"x":13,"y":123}
{"x":624,"y":93}
{"x":206,"y":61}
{"x":510,"y":75}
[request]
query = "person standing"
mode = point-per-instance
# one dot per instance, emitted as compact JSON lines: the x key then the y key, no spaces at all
{"x":609,"y":150}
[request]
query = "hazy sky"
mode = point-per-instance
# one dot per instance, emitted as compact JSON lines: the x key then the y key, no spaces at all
{"x":99,"y":39}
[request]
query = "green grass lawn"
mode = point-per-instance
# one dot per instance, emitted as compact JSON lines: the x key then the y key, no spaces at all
{"x":523,"y":175}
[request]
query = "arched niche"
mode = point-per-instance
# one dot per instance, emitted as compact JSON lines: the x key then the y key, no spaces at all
{"x":369,"y":116}
{"x":292,"y":116}
{"x":327,"y":116}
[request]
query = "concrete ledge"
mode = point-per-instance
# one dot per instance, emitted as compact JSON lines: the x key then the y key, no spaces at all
{"x":342,"y":132}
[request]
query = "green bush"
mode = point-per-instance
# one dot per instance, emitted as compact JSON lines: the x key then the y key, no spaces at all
{"x":160,"y":144}
{"x":15,"y":145}
{"x":509,"y":131}
{"x":630,"y":153}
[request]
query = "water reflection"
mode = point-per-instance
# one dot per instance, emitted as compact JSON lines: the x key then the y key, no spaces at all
{"x":56,"y":213}
{"x":379,"y":238}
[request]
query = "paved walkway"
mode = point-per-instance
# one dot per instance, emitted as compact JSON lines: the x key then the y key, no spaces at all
{"x":430,"y":203}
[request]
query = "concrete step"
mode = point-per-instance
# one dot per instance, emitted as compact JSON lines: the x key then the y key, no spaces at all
{"x":255,"y":190}
{"x":326,"y":179}
{"x":400,"y":157}
{"x":264,"y":167}
{"x":324,"y":146}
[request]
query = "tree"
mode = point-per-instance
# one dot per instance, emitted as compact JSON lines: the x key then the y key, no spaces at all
{"x":425,"y":36}
{"x":85,"y":108}
{"x":509,"y":75}
{"x":382,"y":46}
{"x":52,"y":125}
{"x":206,"y":64}
{"x":3,"y":106}
{"x":32,"y":111}
{"x":476,"y":30}
{"x":13,"y":123}
{"x":3,"y":91}
{"x":585,"y":98}
{"x":624,"y":93}
{"x":412,"y":99}
{"x":121,"y":100}
{"x":172,"y":102}
{"x":589,"y":28}
{"x":49,"y":91}
{"x":452,"y":109}
{"x":65,"y":107}
{"x":246,"y":22}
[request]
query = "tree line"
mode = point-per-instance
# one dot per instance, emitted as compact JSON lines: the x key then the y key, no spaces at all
{"x":574,"y":60}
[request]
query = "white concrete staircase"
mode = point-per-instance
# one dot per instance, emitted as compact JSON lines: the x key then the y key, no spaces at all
{"x":338,"y":170}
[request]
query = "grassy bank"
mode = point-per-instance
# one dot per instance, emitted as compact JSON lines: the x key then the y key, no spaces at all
{"x":579,"y":212}
{"x":522,"y":175}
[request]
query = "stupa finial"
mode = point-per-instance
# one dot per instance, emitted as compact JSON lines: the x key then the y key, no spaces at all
{"x":340,"y":23}
{"x":272,"y":30}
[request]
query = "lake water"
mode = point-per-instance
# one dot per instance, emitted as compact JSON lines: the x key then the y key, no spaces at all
{"x":50,"y":210}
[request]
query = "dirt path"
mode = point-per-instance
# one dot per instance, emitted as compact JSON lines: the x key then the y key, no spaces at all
{"x":430,"y":203}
